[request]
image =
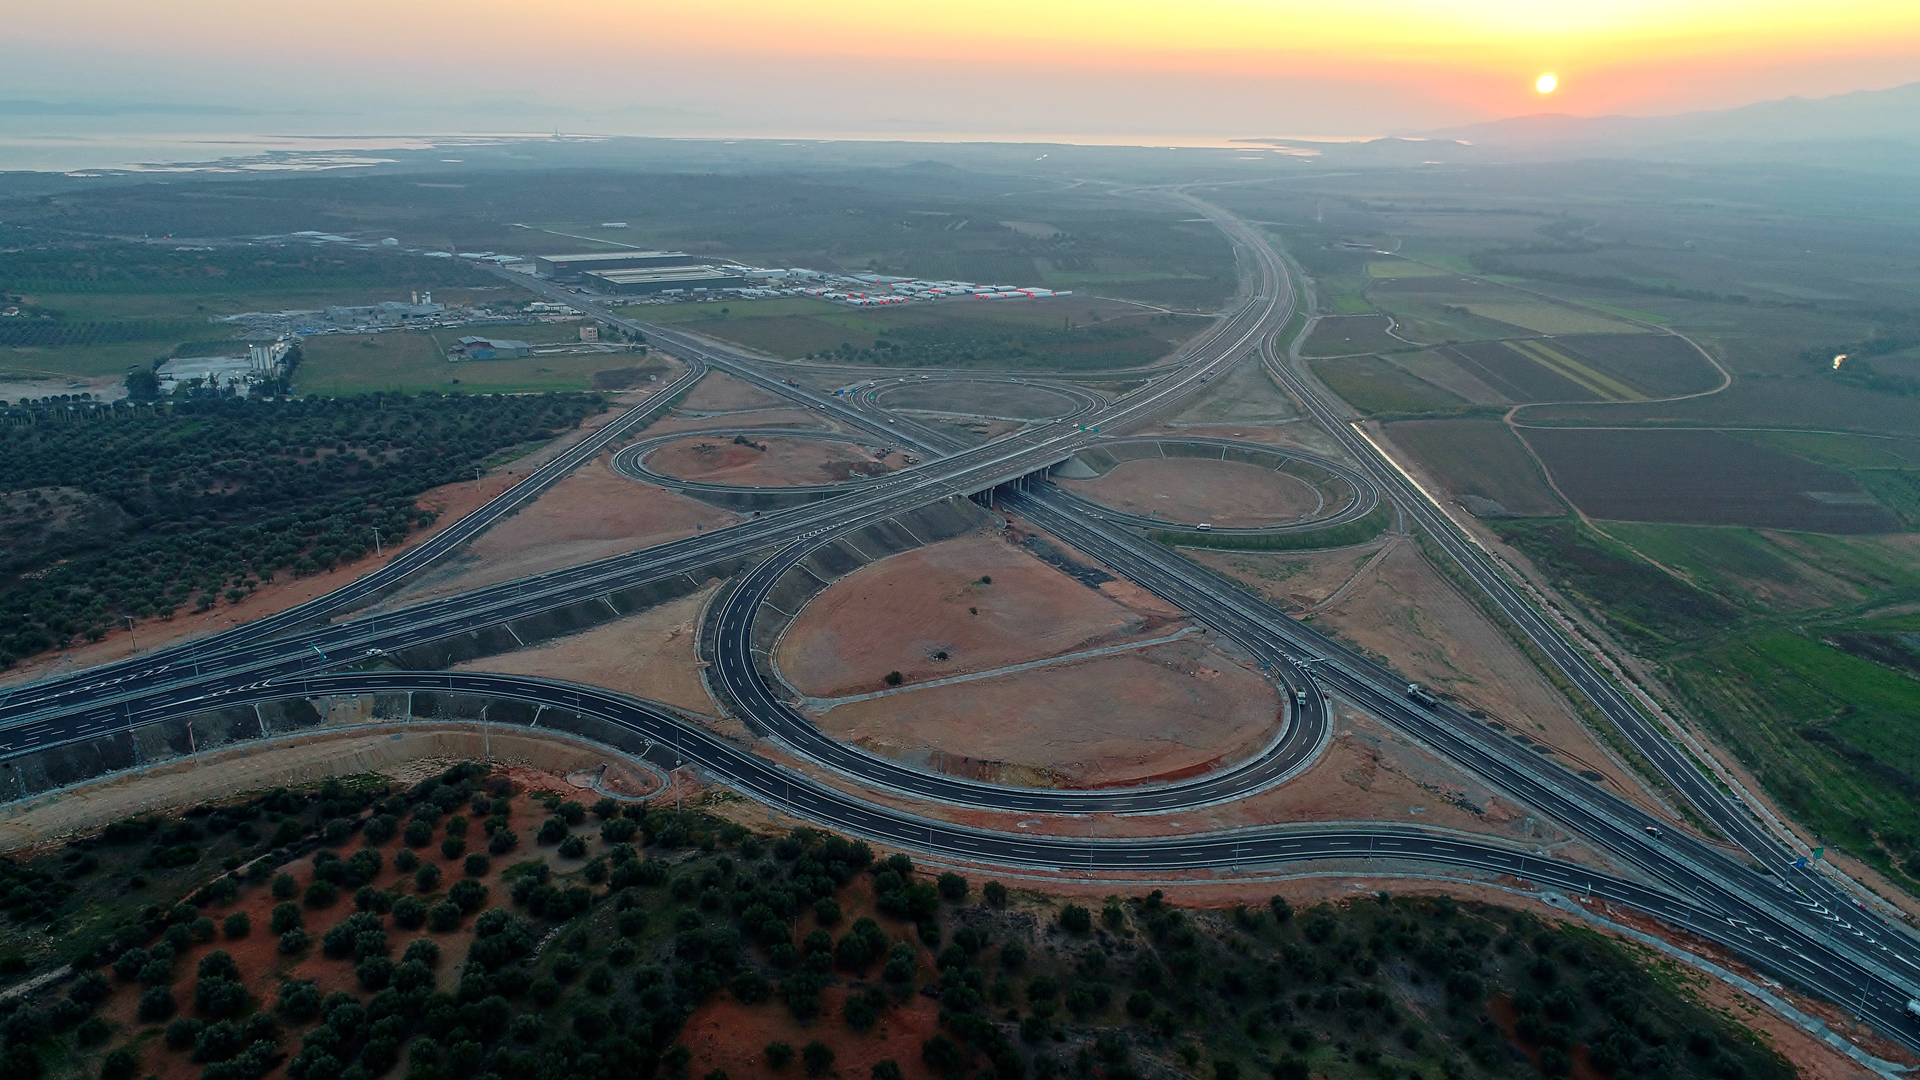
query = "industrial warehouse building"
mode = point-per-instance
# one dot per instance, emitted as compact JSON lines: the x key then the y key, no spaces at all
{"x":666,"y":279}
{"x":573,"y":266}
{"x":479,"y":348}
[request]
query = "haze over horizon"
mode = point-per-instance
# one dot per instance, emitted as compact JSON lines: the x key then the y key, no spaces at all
{"x":1138,"y":68}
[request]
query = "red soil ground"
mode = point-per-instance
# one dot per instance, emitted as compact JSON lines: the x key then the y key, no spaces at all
{"x":262,"y":968}
{"x":651,"y":655}
{"x":1229,"y":493}
{"x":899,"y":613}
{"x":590,"y":515}
{"x":1156,"y":714}
{"x":771,"y":461}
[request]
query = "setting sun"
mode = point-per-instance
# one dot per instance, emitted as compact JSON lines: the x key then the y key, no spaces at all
{"x":1546,"y":84}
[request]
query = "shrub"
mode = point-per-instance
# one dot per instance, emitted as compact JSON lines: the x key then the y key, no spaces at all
{"x":453,"y":847}
{"x":90,"y":989}
{"x":444,"y":918}
{"x":816,"y":1057}
{"x":299,"y":999}
{"x":184,"y":1032}
{"x":942,"y":1055}
{"x":405,"y":861}
{"x":293,"y":941}
{"x":953,"y":887}
{"x":544,"y":991}
{"x":418,"y":833}
{"x":427,"y":878}
{"x":374,"y":973}
{"x":322,"y":894}
{"x":894,"y":678}
{"x":409,"y":913}
{"x":219,"y":996}
{"x":779,"y":1054}
{"x":237,"y":926}
{"x":121,"y":1064}
{"x":157,"y":1004}
{"x":218,"y":964}
{"x":552,"y":831}
{"x":286,"y":917}
{"x":571,"y":812}
{"x":380,"y":828}
{"x":619,"y":830}
{"x":478,"y":864}
{"x":468,"y":895}
{"x":284,"y":887}
{"x":885,"y":1069}
{"x":204,"y":930}
{"x":1075,"y":919}
{"x":574,"y":846}
{"x":606,"y":809}
{"x":503,"y":841}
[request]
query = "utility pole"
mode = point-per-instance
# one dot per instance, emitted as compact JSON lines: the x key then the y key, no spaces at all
{"x":130,"y":630}
{"x":486,"y":733}
{"x":376,"y":543}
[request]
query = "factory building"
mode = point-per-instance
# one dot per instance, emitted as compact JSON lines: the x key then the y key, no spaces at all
{"x":665,"y":279}
{"x":573,"y":266}
{"x":479,"y":348}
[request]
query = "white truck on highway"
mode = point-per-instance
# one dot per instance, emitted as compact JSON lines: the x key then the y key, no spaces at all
{"x":1420,"y":696}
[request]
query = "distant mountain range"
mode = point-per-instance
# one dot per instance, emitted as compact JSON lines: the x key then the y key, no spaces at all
{"x":1866,"y":116}
{"x":142,"y":108}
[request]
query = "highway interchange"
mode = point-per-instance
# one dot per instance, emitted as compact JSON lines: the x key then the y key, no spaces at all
{"x":1815,"y":935}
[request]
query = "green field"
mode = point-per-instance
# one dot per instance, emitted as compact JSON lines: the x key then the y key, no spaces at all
{"x":1548,"y":318}
{"x":1068,"y":334}
{"x":1832,"y":736}
{"x":1401,"y":268}
{"x":1482,"y":459}
{"x":119,"y":306}
{"x":412,"y":361}
{"x":1351,"y":335}
{"x":1376,"y":386}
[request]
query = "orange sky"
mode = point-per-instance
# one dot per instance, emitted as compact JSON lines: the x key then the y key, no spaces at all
{"x":1473,"y":59}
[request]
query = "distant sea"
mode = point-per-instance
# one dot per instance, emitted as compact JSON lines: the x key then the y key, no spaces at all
{"x":52,"y":151}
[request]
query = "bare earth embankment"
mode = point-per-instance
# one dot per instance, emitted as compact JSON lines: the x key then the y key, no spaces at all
{"x":1227,"y":493}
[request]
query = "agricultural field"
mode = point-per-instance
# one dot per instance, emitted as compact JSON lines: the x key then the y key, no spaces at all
{"x":1349,"y":335}
{"x":1832,"y":736}
{"x":1812,"y":405}
{"x":112,"y":307}
{"x":412,"y":361}
{"x":1068,"y":334}
{"x":483,"y":922}
{"x":1522,"y":372}
{"x":1705,"y":478}
{"x":1656,"y":365}
{"x":1481,"y":463}
{"x":1774,"y":637}
{"x":1376,"y":386}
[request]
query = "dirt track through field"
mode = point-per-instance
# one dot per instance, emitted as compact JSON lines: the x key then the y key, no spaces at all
{"x":903,"y":613}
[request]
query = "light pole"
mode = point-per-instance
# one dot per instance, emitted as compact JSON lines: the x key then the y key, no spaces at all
{"x":131,"y":631}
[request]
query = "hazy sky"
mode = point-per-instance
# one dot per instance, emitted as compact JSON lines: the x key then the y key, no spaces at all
{"x":1215,"y":67}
